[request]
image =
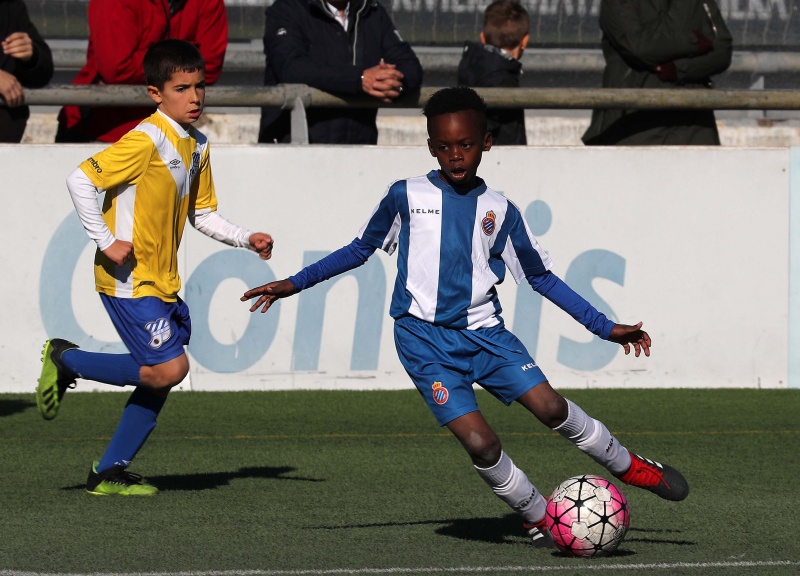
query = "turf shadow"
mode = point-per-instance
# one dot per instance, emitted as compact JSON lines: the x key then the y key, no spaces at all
{"x":508,"y":530}
{"x":505,"y":530}
{"x":656,"y":536}
{"x":214,"y":480}
{"x":11,"y":407}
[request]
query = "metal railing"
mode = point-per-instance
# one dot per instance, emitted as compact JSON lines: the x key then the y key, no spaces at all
{"x":299,"y":97}
{"x":249,"y":57}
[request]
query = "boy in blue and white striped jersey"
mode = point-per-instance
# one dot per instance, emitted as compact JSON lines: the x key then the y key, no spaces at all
{"x":455,"y":238}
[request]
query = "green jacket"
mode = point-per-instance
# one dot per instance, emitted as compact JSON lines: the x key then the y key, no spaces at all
{"x":638,"y":36}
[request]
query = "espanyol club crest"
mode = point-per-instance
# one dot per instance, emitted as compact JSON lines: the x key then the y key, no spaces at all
{"x":487,"y":225}
{"x":195,"y":164}
{"x":440,"y":393}
{"x":160,"y":331}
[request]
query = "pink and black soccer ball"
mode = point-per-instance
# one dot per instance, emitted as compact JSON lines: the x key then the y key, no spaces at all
{"x":587,"y":516}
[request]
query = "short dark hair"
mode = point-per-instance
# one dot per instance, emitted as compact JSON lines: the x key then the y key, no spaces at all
{"x":166,"y":57}
{"x":455,"y":99}
{"x":505,"y":23}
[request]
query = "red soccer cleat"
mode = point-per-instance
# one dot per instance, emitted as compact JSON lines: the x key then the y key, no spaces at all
{"x":539,"y":534}
{"x":660,"y":479}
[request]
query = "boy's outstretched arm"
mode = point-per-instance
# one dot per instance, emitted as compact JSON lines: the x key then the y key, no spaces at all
{"x":268,"y":294}
{"x":627,"y":335}
{"x":345,"y":258}
{"x":556,"y":290}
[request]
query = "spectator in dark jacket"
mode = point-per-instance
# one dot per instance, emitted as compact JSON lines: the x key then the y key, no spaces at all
{"x":342,"y":47}
{"x":495,"y":62}
{"x":26,"y":62}
{"x":660,"y":44}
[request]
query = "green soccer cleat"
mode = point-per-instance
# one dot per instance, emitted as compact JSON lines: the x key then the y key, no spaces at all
{"x":117,"y":481}
{"x":55,"y":378}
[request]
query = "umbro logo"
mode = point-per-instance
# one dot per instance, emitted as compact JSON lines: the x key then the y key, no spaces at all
{"x":175,"y":163}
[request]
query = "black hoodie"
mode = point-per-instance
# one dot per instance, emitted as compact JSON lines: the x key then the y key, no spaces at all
{"x":484,"y":66}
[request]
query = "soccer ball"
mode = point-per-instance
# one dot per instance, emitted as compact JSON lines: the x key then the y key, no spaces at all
{"x":587,"y":516}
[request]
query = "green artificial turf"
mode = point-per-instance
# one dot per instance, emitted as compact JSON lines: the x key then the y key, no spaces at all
{"x":366,"y":483}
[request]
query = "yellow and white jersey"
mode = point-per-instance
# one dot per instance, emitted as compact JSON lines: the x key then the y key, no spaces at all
{"x":153,"y":178}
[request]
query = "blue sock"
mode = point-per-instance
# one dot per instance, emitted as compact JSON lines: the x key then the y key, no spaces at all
{"x":138,"y":420}
{"x":115,"y":369}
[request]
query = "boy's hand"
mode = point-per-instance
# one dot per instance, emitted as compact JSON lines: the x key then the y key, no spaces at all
{"x":18,"y":45}
{"x":120,"y":252}
{"x":268,"y":294}
{"x":383,"y":81}
{"x":11,"y":90}
{"x":626,"y":335}
{"x":262,"y":244}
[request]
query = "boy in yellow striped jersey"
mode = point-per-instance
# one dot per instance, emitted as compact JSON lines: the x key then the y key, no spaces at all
{"x":154,"y":178}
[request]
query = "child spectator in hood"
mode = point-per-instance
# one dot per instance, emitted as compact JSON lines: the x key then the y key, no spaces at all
{"x":495,"y":62}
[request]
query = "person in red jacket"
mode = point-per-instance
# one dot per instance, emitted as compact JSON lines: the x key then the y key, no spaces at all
{"x":120,"y":32}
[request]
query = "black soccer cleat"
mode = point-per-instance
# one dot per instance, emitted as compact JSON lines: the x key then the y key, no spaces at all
{"x":660,"y":479}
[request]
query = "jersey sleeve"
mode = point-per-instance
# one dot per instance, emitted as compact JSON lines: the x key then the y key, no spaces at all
{"x":522,"y":254}
{"x":345,"y":258}
{"x":124,"y":162}
{"x":559,"y":293}
{"x":383,"y":227}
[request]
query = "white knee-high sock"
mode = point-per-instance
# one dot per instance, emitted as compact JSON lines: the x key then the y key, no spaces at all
{"x":593,"y":438}
{"x":513,"y":487}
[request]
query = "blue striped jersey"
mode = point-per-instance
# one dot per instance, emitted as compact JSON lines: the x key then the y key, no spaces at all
{"x":453,"y":249}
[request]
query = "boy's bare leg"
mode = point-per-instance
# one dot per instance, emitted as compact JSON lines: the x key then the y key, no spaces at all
{"x":507,"y":481}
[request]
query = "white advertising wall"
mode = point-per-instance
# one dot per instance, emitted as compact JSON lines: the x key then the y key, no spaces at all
{"x":693,"y":242}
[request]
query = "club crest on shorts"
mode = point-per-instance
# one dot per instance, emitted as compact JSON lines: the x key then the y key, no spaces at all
{"x":160,"y":331}
{"x":440,"y":393}
{"x":487,"y":225}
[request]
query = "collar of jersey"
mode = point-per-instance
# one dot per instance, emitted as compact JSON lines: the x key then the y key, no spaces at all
{"x":182,"y":132}
{"x":433,"y":178}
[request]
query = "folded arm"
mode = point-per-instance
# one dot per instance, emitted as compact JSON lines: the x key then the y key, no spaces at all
{"x":646,"y":44}
{"x":84,"y":197}
{"x":217,"y":227}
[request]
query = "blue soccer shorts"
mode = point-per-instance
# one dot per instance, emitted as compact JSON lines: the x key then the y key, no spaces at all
{"x":154,"y":331}
{"x":443,"y":363}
